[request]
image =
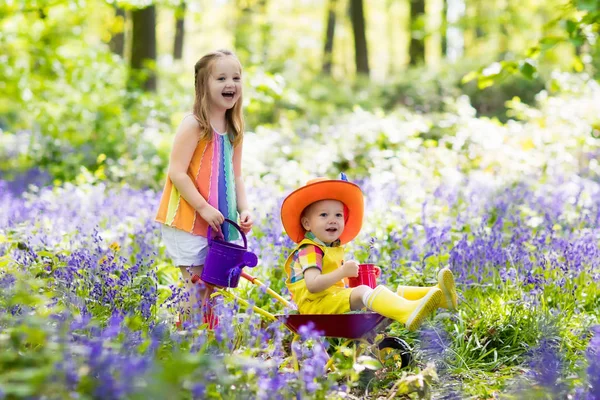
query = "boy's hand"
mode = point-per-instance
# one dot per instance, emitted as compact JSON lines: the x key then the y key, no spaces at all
{"x":246,"y":221}
{"x":350,"y":269}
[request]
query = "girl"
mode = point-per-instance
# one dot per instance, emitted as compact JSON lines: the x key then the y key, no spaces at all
{"x":204,"y":183}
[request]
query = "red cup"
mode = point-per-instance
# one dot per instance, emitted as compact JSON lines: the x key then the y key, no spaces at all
{"x":367,"y":275}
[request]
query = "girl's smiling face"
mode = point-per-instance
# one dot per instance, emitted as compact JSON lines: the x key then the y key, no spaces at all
{"x":225,"y":83}
{"x":325,"y":219}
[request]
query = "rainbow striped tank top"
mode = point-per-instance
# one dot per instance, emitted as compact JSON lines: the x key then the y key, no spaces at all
{"x":211,"y":170}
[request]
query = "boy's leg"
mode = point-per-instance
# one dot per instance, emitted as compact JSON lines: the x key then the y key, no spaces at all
{"x":448,"y":288}
{"x":413,"y":292}
{"x":389,"y":304}
{"x":445,"y":284}
{"x":356,"y":297}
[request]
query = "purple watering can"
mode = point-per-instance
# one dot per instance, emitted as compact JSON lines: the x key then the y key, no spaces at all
{"x":225,"y":260}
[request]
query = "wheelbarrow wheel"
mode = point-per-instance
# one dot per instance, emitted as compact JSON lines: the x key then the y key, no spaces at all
{"x":393,"y":347}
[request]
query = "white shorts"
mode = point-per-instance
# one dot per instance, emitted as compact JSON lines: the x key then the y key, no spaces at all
{"x":184,"y":248}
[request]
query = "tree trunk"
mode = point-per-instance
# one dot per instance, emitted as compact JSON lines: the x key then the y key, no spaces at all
{"x":179,"y":31}
{"x":389,"y":25}
{"x":455,"y":40}
{"x":505,"y":30}
{"x":117,"y":41}
{"x":445,"y":28}
{"x":329,"y":34}
{"x":470,"y":33}
{"x":242,"y":35}
{"x":357,"y":17}
{"x":434,"y":12}
{"x":481,"y":19}
{"x":265,"y":30}
{"x":417,"y":32}
{"x":143,"y":48}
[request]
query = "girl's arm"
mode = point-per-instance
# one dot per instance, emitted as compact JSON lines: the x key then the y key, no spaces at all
{"x":317,"y":282}
{"x":240,"y":191}
{"x":184,"y":146}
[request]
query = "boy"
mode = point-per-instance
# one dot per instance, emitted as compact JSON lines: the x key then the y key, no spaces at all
{"x":321,"y":217}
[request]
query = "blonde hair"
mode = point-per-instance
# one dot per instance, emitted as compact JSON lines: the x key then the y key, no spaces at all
{"x":233,"y":116}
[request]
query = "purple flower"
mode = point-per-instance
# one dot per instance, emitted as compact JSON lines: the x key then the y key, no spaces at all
{"x":434,"y":341}
{"x":114,"y":326}
{"x":308,"y":331}
{"x":546,"y":365}
{"x":198,"y":391}
{"x":593,"y":370}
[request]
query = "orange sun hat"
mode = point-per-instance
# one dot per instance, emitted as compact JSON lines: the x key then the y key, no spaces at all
{"x":324,"y":189}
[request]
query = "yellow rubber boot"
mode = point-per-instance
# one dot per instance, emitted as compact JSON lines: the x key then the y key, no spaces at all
{"x":414,"y":292}
{"x":445,"y":284}
{"x":410,"y":313}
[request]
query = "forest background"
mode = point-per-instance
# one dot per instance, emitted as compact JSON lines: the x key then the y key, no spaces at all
{"x":86,"y":75}
{"x":472,"y":126}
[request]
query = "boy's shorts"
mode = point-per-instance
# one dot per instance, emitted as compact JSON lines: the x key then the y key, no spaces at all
{"x":184,"y":248}
{"x":336,"y":300}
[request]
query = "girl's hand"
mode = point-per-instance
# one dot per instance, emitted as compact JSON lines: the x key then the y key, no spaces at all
{"x":350,"y":269}
{"x":212,"y":216}
{"x":246,"y":221}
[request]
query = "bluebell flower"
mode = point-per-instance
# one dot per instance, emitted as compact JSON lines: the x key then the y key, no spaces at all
{"x":199,"y":391}
{"x":546,"y":365}
{"x":593,"y":370}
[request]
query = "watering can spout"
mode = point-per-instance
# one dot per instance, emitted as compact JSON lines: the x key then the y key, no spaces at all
{"x":250,"y":259}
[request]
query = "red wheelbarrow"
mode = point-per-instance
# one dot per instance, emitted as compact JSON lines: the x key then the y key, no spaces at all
{"x":359,"y":328}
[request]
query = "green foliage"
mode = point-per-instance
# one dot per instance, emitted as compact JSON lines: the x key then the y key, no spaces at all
{"x":492,"y":101}
{"x":415,"y":221}
{"x":68,"y":105}
{"x":72,"y":98}
{"x":272,"y":98}
{"x":578,"y":26}
{"x":65,"y":108}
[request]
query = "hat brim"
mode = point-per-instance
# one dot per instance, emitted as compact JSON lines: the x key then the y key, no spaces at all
{"x":344,"y":191}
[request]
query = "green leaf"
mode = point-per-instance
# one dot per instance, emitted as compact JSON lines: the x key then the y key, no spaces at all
{"x":469,"y":77}
{"x":571,"y":26}
{"x":487,"y":81}
{"x":509,"y":66}
{"x":533,"y":52}
{"x":367,"y":362}
{"x":587,"y":5}
{"x":550,"y":41}
{"x":19,"y":390}
{"x":578,"y":65}
{"x":4,"y":260}
{"x":577,"y":41}
{"x":528,"y":70}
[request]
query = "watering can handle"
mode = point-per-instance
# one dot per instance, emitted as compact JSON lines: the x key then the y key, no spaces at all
{"x":209,"y":233}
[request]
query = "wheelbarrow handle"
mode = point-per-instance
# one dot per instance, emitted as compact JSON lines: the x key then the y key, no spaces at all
{"x":269,"y":291}
{"x":248,"y":277}
{"x":257,"y":282}
{"x":196,"y":279}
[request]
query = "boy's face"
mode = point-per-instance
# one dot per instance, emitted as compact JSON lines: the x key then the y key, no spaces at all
{"x":325,"y":219}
